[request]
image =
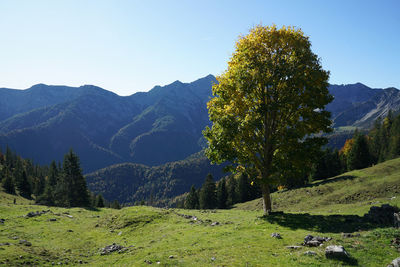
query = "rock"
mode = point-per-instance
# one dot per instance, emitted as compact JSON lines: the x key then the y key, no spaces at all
{"x":213,"y":259}
{"x":381,"y":215}
{"x":80,"y":262}
{"x":69,"y":231}
{"x":52,"y":219}
{"x":294,"y":247}
{"x":120,"y":233}
{"x":396,"y":241}
{"x":148,"y":261}
{"x":276,"y":235}
{"x":26,"y":243}
{"x":5,"y":244}
{"x":158,"y":262}
{"x":335,"y":251}
{"x":396,"y":217}
{"x":2,"y":221}
{"x":395,"y":263}
{"x":171,"y":257}
{"x":111,"y":248}
{"x":315,"y":241}
{"x":310,"y":253}
{"x":349,"y":235}
{"x":70,"y":216}
{"x":215,"y":223}
{"x":37,"y":213}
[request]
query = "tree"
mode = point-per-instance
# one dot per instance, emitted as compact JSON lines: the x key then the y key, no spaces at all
{"x":8,"y":183}
{"x":23,"y":185}
{"x":268,"y":105}
{"x":71,"y":190}
{"x":222,"y":194}
{"x":115,"y":205}
{"x":358,"y":156}
{"x":207,"y":198}
{"x":99,"y":201}
{"x":192,"y":199}
{"x":243,"y":188}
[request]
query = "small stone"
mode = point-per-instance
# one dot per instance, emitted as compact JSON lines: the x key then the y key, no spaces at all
{"x":310,"y":253}
{"x":69,"y":231}
{"x":120,"y":233}
{"x":213,"y":258}
{"x":148,"y":261}
{"x":171,"y":256}
{"x":215,"y":223}
{"x":5,"y":244}
{"x":80,"y":262}
{"x":158,"y":262}
{"x":276,"y":235}
{"x":52,"y":219}
{"x":313,"y":243}
{"x":70,"y":216}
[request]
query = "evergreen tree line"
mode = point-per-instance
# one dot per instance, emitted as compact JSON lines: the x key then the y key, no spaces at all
{"x":381,"y":143}
{"x":59,"y":184}
{"x":223,"y":194}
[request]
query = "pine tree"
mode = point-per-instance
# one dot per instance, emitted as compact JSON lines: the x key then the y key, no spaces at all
{"x":232,"y":191}
{"x":115,"y":205}
{"x":23,"y":185}
{"x":71,"y":190}
{"x":192,"y":199}
{"x":8,"y":183}
{"x":243,"y":188}
{"x":207,"y":198}
{"x":99,"y":201}
{"x":358,"y":156}
{"x":222,"y":194}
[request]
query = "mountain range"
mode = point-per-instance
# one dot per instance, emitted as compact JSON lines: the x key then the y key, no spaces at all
{"x":146,"y":133}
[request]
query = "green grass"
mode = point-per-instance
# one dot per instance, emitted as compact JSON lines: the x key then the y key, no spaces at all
{"x":243,"y":237}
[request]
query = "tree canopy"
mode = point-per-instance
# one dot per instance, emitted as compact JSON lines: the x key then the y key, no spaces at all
{"x":268,"y":105}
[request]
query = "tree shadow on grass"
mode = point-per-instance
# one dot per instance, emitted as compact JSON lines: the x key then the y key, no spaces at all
{"x":322,"y":223}
{"x":331,"y":180}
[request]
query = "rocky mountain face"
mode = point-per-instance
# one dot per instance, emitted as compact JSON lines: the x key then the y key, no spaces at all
{"x":162,"y":125}
{"x":151,"y":128}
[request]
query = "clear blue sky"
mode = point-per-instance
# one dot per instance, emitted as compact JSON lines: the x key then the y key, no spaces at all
{"x":130,"y":46}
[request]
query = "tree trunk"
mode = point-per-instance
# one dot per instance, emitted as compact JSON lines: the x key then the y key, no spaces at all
{"x":266,"y":198}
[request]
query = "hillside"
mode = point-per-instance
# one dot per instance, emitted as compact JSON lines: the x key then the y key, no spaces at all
{"x":131,"y":182}
{"x":150,"y":128}
{"x":241,"y":237}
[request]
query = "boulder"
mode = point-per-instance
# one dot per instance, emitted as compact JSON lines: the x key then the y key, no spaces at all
{"x":294,"y":247}
{"x":335,"y":251}
{"x":315,"y":241}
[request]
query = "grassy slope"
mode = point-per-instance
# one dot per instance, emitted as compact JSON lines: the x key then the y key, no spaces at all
{"x":242,"y":239}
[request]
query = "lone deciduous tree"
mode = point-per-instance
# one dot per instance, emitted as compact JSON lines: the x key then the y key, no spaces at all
{"x":268,"y":105}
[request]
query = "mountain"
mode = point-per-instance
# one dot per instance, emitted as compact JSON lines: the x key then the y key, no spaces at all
{"x":149,"y":128}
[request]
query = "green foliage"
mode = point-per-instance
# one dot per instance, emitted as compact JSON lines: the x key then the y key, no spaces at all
{"x":267,"y":106}
{"x":222,"y":194}
{"x":359,"y":155}
{"x":328,"y":165}
{"x":232,"y":191}
{"x":192,"y":199}
{"x":207,"y":196}
{"x":100,"y":201}
{"x":115,"y":205}
{"x":8,"y":183}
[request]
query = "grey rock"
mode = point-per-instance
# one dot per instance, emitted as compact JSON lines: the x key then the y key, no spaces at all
{"x":111,"y":248}
{"x":335,"y":251}
{"x":52,"y":219}
{"x":69,"y":231}
{"x":313,"y":243}
{"x":2,"y":221}
{"x":148,"y":261}
{"x":213,"y":259}
{"x":276,"y":235}
{"x":215,"y":224}
{"x":171,"y":256}
{"x":5,"y":244}
{"x":395,"y":263}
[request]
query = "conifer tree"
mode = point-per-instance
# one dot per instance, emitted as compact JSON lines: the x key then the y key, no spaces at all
{"x":243,"y":188}
{"x":115,"y":205}
{"x":222,"y":194}
{"x":358,"y":156}
{"x":23,"y":185}
{"x":8,"y":183}
{"x":192,"y":199}
{"x":232,"y":191}
{"x":207,"y":198}
{"x":99,"y":201}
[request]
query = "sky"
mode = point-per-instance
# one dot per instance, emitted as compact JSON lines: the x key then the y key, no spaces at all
{"x":130,"y":46}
